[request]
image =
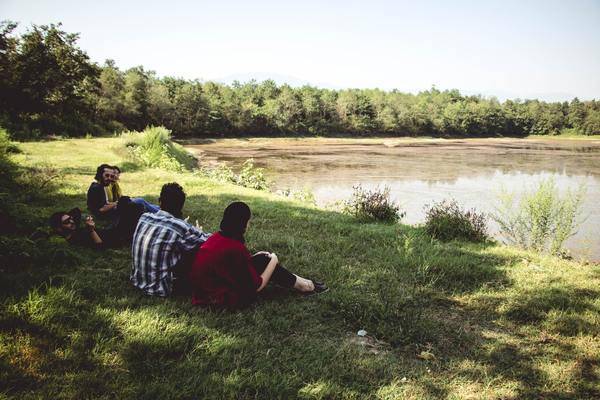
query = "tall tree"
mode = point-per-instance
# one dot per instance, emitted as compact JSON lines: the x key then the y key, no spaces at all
{"x":51,"y":81}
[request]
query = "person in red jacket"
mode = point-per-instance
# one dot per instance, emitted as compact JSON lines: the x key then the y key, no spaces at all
{"x":225,"y":274}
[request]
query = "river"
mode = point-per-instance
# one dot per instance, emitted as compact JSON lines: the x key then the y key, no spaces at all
{"x":422,"y":171}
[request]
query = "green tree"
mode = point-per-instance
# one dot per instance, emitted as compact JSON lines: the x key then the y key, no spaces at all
{"x":191,"y":110}
{"x":576,"y":115}
{"x":356,"y":111}
{"x":110,"y":103}
{"x":51,"y":81}
{"x":136,"y":98}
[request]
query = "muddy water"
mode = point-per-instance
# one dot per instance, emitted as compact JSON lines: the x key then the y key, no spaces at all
{"x":420,"y":172}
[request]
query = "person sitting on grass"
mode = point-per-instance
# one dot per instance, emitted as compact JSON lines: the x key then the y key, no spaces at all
{"x":114,"y":192}
{"x":97,"y":199}
{"x":225,"y":274}
{"x":68,"y":225}
{"x":164,"y":246}
{"x":104,"y":194}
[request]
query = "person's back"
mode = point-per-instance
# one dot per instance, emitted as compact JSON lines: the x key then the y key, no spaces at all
{"x":160,"y":244}
{"x":222,"y":273}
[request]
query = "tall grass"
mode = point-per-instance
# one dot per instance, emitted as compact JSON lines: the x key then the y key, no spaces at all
{"x":542,"y":219}
{"x":153,"y":147}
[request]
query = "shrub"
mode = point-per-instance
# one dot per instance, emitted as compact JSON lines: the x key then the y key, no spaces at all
{"x":540,"y":220}
{"x":153,"y":147}
{"x":372,"y":205}
{"x":446,"y":220}
{"x":304,"y":195}
{"x":249,"y":176}
{"x":252,"y":177}
{"x":219,"y":172}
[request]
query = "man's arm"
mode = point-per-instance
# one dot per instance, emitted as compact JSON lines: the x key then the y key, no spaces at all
{"x":107,"y":207}
{"x":91,"y":227}
{"x":193,"y":238}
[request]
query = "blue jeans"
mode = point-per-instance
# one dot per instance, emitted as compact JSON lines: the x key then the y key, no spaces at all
{"x":149,"y":207}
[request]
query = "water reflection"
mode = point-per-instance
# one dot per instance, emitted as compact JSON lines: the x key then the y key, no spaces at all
{"x":421,"y":172}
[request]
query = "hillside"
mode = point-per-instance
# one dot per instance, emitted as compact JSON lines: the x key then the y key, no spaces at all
{"x":455,"y":320}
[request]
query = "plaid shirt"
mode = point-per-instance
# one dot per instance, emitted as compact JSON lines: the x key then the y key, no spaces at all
{"x":158,"y":243}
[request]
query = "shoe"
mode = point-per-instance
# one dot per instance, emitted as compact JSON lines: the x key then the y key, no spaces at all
{"x":320,"y":287}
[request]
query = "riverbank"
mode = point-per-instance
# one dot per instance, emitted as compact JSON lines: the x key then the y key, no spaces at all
{"x":421,"y":171}
{"x":443,"y":320}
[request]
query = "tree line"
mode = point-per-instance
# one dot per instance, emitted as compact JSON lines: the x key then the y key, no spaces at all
{"x":48,"y":85}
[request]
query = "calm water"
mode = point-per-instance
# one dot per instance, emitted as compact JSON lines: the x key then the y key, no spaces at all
{"x":420,"y":172}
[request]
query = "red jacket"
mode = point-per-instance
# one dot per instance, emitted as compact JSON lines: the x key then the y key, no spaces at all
{"x":222,"y":274}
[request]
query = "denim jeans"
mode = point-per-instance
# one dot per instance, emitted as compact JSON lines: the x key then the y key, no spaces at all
{"x":149,"y":207}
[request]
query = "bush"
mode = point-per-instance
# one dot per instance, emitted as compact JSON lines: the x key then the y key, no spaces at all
{"x":153,"y":147}
{"x":372,"y":205}
{"x":252,"y":177}
{"x":446,"y":220}
{"x":249,"y":176}
{"x":304,"y":195}
{"x":541,"y":220}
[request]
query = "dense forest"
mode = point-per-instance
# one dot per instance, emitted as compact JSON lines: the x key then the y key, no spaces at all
{"x":48,"y":85}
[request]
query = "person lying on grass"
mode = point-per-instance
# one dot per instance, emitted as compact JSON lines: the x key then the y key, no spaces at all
{"x":225,"y":274}
{"x":164,"y":246}
{"x":102,"y":197}
{"x":68,"y":225}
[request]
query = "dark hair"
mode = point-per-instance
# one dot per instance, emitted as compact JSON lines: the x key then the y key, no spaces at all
{"x":235,"y":220}
{"x":116,"y":168}
{"x":55,"y":220}
{"x":100,"y":171}
{"x":172,"y":198}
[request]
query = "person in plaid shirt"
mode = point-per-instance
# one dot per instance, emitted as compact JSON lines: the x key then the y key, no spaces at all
{"x":164,"y":245}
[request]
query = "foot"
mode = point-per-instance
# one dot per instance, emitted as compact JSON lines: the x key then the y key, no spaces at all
{"x":304,"y":285}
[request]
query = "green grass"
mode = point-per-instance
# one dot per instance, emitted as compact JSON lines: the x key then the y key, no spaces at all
{"x":444,"y":320}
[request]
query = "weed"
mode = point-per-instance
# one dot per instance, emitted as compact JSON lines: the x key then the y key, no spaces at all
{"x":249,"y":176}
{"x":372,"y":205}
{"x":252,"y":177}
{"x":540,"y":220}
{"x":446,"y":220}
{"x":304,"y":195}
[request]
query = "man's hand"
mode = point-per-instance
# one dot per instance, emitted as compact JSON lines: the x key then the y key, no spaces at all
{"x":89,"y":223}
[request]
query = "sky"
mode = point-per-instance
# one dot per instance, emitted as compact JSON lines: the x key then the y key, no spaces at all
{"x":509,"y":49}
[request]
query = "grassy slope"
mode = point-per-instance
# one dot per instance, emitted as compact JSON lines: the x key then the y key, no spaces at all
{"x":444,"y":320}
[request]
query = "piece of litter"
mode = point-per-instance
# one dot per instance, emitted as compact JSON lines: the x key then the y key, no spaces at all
{"x":403,"y":380}
{"x":362,"y":332}
{"x":426,"y":355}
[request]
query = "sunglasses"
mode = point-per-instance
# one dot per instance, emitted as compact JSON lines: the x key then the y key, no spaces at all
{"x":68,"y":221}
